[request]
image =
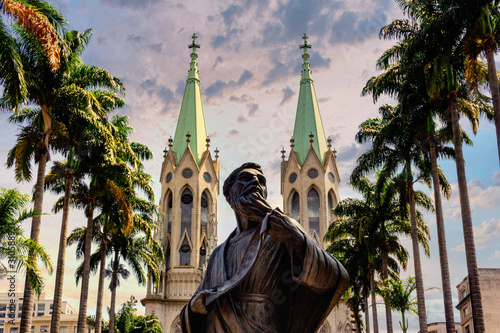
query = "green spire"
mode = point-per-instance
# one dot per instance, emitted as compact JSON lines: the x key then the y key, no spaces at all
{"x":308,"y":128}
{"x":191,"y":124}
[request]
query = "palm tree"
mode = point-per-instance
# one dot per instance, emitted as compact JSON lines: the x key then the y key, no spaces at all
{"x":136,"y":250}
{"x":85,"y":125}
{"x":41,"y":20}
{"x":394,"y":149}
{"x":13,"y":245}
{"x":398,"y":293}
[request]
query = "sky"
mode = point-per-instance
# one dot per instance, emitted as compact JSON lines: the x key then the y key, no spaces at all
{"x":249,"y":66}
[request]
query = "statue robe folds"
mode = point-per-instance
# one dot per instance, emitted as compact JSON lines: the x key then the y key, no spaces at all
{"x":270,"y":291}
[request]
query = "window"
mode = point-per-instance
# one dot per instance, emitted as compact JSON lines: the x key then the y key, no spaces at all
{"x":185,"y":253}
{"x":41,"y":307}
{"x":39,"y":314}
{"x":3,"y":307}
{"x":467,"y":329}
{"x":63,"y":329}
{"x":177,"y":328}
{"x":186,"y":211}
{"x":19,"y":314}
{"x":74,"y":329}
{"x":465,"y":311}
{"x":296,"y":207}
{"x":44,"y":329}
{"x":51,"y":306}
{"x":14,"y":330}
{"x":2,"y":322}
{"x":2,"y":314}
{"x":313,"y":211}
{"x":32,"y":328}
{"x":203,"y":225}
{"x":20,"y":307}
{"x":1,"y":330}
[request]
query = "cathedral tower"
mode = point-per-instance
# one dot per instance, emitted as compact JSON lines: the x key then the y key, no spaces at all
{"x":188,"y":208}
{"x":310,"y":179}
{"x":310,"y":176}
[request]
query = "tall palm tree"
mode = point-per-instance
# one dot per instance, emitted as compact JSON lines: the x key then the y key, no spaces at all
{"x":393,"y":150}
{"x":86,"y":124}
{"x":13,"y":246}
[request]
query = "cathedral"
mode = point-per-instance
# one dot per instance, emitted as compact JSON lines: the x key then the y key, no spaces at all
{"x":190,"y":186}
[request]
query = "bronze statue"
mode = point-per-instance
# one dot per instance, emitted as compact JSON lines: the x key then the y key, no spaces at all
{"x":268,"y":276}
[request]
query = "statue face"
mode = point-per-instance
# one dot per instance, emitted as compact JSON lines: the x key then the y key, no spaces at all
{"x":247,"y":182}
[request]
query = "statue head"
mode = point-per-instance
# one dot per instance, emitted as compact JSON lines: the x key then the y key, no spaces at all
{"x":243,"y":182}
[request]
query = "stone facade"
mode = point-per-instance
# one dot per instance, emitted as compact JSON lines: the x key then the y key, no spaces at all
{"x":489,"y":282}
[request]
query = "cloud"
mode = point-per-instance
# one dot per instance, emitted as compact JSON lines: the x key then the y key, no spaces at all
{"x":495,"y":256}
{"x":230,"y":14}
{"x":217,"y":88}
{"x":484,"y":234}
{"x":252,"y":109}
{"x":165,"y":95}
{"x":287,"y":94}
{"x":218,"y":60}
{"x":233,"y":133}
{"x":241,"y":119}
{"x":144,"y":4}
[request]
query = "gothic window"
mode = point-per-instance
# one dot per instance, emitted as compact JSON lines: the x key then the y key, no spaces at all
{"x":186,"y":211}
{"x":313,"y":211}
{"x":169,"y":228}
{"x":296,"y":207}
{"x":323,"y":329}
{"x":330,"y":207}
{"x":177,"y":328}
{"x":169,"y":213}
{"x":185,"y":253}
{"x":204,"y":212}
{"x":203,"y":252}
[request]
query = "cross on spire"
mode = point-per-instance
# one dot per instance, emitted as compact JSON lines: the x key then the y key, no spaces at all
{"x":194,"y":46}
{"x":305,"y":46}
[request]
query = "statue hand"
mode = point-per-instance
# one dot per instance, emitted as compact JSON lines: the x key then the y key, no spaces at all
{"x":279,"y":227}
{"x":197,"y":303}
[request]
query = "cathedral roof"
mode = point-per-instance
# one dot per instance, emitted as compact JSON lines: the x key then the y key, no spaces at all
{"x":308,"y":123}
{"x":191,"y":123}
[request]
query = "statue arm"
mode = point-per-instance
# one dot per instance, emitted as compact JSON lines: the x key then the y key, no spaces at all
{"x":311,"y":265}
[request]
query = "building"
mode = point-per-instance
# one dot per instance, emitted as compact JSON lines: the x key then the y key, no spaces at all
{"x":188,"y":208}
{"x":190,"y":185}
{"x":441,"y":328}
{"x":489,"y":282}
{"x":42,"y":314}
{"x":310,"y":178}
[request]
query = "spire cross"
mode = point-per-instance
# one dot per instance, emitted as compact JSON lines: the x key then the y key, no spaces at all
{"x":208,"y":143}
{"x":165,"y":151}
{"x":283,"y":153}
{"x":188,"y":137}
{"x":292,"y":142}
{"x":194,"y":46}
{"x":334,"y":152}
{"x":216,"y":153}
{"x":170,"y":143}
{"x":329,"y":140}
{"x":305,"y":46}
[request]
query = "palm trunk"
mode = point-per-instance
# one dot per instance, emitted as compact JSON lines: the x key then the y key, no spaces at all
{"x":422,"y":317}
{"x":443,"y":252}
{"x":385,"y":275}
{"x":100,"y":291}
{"x":61,"y":258}
{"x":374,"y":301}
{"x":28,"y":296}
{"x":112,"y":286}
{"x":82,"y":312}
{"x":495,"y":92}
{"x":403,"y":326}
{"x":367,"y":311}
{"x":470,"y":249}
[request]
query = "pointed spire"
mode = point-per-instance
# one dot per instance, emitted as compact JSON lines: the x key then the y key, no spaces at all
{"x":191,"y":116}
{"x":308,"y":118}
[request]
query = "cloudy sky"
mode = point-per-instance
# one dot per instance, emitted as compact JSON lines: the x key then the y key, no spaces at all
{"x":249,"y":64}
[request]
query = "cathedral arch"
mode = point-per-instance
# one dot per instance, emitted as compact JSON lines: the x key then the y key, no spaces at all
{"x":186,"y":205}
{"x":167,"y":210}
{"x":313,"y":206}
{"x":331,"y":205}
{"x":176,"y":326}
